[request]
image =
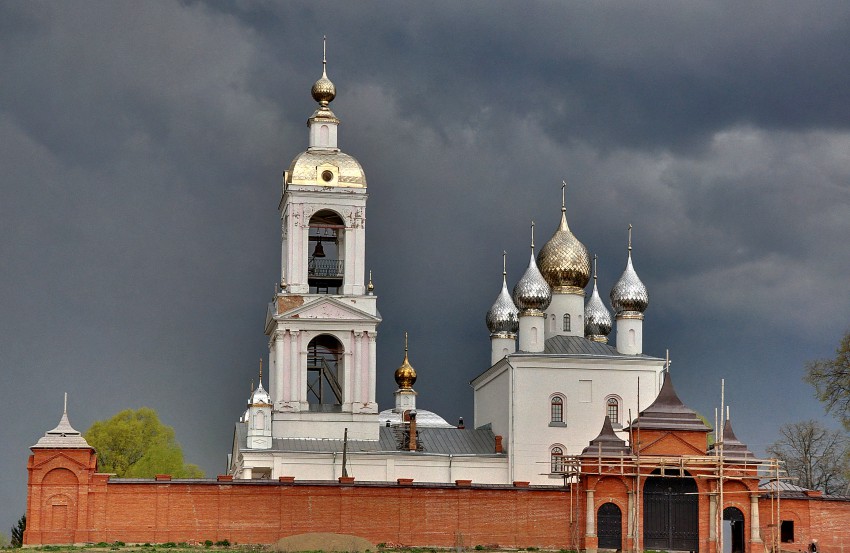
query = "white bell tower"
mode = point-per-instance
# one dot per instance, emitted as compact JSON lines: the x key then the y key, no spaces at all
{"x":322,"y":322}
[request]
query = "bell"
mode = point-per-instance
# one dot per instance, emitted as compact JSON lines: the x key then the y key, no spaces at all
{"x":319,"y":251}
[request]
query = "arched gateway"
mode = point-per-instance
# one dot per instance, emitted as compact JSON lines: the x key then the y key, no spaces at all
{"x":670,"y":512}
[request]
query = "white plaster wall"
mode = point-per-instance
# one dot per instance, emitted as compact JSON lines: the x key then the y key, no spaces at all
{"x":383,"y":467}
{"x":491,"y":402}
{"x":572,"y":304}
{"x":586,"y":384}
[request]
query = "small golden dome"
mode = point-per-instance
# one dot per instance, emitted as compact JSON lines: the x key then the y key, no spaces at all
{"x":405,"y":375}
{"x":323,"y":90}
{"x":564,"y":261}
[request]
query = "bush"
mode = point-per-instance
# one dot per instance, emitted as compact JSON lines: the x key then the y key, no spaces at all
{"x":208,"y":543}
{"x":223,"y":543}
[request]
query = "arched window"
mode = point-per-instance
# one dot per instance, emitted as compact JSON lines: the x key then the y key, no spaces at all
{"x":556,"y":409}
{"x":556,"y":454}
{"x":566,"y":322}
{"x":612,"y":409}
{"x":324,"y":373}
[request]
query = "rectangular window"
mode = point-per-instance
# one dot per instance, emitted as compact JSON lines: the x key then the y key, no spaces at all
{"x":786,"y":531}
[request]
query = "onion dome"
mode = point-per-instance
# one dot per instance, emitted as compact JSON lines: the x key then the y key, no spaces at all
{"x":629,"y":295}
{"x":563,"y":260}
{"x":597,"y":318}
{"x":532,"y":292}
{"x":323,"y":90}
{"x":405,"y":375}
{"x":502,"y":317}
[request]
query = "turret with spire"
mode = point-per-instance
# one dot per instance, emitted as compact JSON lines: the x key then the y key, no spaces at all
{"x":405,"y":377}
{"x":565,"y":264}
{"x":532,"y":296}
{"x":259,"y":416}
{"x":629,"y":299}
{"x":502,"y":321}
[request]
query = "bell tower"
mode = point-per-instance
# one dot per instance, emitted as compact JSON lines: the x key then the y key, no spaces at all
{"x":322,"y":322}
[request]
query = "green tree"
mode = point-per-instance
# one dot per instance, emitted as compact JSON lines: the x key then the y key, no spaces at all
{"x":18,"y":531}
{"x":814,"y":456}
{"x":831,"y":379}
{"x":135,"y":444}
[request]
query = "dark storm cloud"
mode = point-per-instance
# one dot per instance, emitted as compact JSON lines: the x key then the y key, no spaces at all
{"x":143,"y":143}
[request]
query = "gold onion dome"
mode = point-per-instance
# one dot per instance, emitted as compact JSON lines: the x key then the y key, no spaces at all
{"x":405,"y":375}
{"x":532,"y":292}
{"x":563,"y":260}
{"x":597,"y":318}
{"x":629,"y":295}
{"x":323,"y":90}
{"x":502,"y":317}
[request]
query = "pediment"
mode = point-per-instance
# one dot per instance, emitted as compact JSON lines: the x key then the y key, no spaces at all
{"x":328,"y":309}
{"x":670,"y":444}
{"x":62,"y":459}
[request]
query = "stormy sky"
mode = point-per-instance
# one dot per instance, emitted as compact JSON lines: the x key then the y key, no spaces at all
{"x":142,"y":146}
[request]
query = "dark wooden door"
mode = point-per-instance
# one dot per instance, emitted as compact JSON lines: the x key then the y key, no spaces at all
{"x":609,"y":521}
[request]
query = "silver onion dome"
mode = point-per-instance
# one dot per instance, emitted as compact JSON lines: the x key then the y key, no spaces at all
{"x":502,"y":317}
{"x":629,"y":295}
{"x":532,"y":292}
{"x":597,"y":318}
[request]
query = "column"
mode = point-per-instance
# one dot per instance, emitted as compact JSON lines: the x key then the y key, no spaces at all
{"x":280,"y":383}
{"x":294,"y":368}
{"x":358,"y":369}
{"x":590,"y":531}
{"x":347,"y":373}
{"x":712,"y":519}
{"x":303,"y":336}
{"x":630,"y":525}
{"x":755,"y":525}
{"x":372,"y":359}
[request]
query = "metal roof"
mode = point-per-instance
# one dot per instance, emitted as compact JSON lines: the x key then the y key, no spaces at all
{"x":578,"y":345}
{"x":63,"y":436}
{"x":441,"y":441}
{"x":668,"y":412}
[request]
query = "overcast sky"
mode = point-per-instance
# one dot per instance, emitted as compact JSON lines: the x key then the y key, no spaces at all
{"x":142,"y":146}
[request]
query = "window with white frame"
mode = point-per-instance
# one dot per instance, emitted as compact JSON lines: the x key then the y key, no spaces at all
{"x":557,"y":461}
{"x":556,"y":409}
{"x":612,"y":409}
{"x":566,"y":322}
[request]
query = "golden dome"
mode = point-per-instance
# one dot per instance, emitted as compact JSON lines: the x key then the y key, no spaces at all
{"x":405,"y":375}
{"x":564,"y":261}
{"x":323,"y":90}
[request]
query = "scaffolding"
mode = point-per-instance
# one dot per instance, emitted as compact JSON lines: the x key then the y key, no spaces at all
{"x":750,"y":471}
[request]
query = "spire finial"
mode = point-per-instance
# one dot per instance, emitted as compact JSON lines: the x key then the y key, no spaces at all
{"x":370,"y":287}
{"x":65,"y":408}
{"x":563,"y":196}
{"x":504,"y":264}
{"x":324,"y":55}
{"x":667,"y":361}
{"x":261,"y":371}
{"x":405,"y":343}
{"x":727,"y":412}
{"x":630,"y":237}
{"x":532,"y":237}
{"x":594,"y":269}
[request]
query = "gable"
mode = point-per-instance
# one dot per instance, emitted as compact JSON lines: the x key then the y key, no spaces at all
{"x":327,"y":309}
{"x":60,"y":459}
{"x":670,"y":443}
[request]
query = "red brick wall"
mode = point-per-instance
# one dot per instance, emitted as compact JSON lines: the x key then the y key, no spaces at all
{"x":68,"y":502}
{"x":77,"y":505}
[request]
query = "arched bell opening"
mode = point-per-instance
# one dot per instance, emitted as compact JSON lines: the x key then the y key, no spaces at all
{"x":326,"y":263}
{"x":733,"y":530}
{"x":671,"y":511}
{"x":324,"y":374}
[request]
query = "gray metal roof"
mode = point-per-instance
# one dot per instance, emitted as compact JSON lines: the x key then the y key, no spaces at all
{"x":443,"y":441}
{"x":578,"y":345}
{"x":668,"y":412}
